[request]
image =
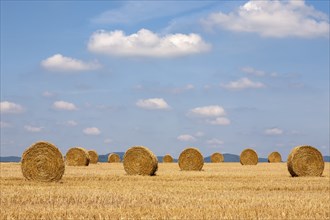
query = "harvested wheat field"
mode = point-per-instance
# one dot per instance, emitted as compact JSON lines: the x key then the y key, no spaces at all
{"x":220,"y":191}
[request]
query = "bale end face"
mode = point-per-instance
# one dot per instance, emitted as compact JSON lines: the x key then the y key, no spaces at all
{"x":94,"y":157}
{"x":217,"y":158}
{"x":42,"y":161}
{"x":305,"y":161}
{"x":167,"y":159}
{"x":113,"y":158}
{"x":77,"y":156}
{"x":249,"y":157}
{"x":274,"y":157}
{"x":191,"y":159}
{"x":139,"y":160}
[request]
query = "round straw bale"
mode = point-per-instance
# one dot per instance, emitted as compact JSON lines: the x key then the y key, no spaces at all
{"x":167,"y":159}
{"x":42,"y":161}
{"x":274,"y":157}
{"x":77,"y":156}
{"x":139,"y":160}
{"x":305,"y":161}
{"x":113,"y":158}
{"x":191,"y":159}
{"x":217,"y":158}
{"x":249,"y":157}
{"x":93,"y":156}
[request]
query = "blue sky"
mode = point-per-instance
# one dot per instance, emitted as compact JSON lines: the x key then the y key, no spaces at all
{"x":218,"y":75}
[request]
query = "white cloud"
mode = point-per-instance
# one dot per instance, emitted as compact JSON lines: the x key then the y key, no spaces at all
{"x":273,"y":19}
{"x":186,"y":138}
{"x":92,"y":131}
{"x":10,"y":107}
{"x":260,"y":73}
{"x":4,"y":124}
{"x":199,"y":134}
{"x":48,"y":94}
{"x":252,"y":71}
{"x":61,"y":63}
{"x":146,"y":43}
{"x":208,"y":111}
{"x":219,"y":121}
{"x":62,"y":105}
{"x":32,"y":129}
{"x":214,"y":141}
{"x":273,"y":131}
{"x":154,"y":103}
{"x":71,"y":123}
{"x":243,"y":83}
{"x":108,"y":141}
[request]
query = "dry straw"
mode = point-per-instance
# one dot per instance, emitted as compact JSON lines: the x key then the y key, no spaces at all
{"x":249,"y":157}
{"x":42,"y":161}
{"x":305,"y":161}
{"x":167,"y":159}
{"x":217,"y":158}
{"x":113,"y":158}
{"x":191,"y":159}
{"x":274,"y":157}
{"x":139,"y":160}
{"x":77,"y":156}
{"x":94,"y":157}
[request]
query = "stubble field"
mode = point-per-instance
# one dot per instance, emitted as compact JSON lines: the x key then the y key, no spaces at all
{"x":220,"y":191}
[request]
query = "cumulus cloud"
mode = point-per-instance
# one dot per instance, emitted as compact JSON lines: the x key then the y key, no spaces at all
{"x":62,"y":105}
{"x":276,"y":19}
{"x":10,"y":107}
{"x":219,"y":121}
{"x":60,"y":63}
{"x":243,"y":83}
{"x":208,"y":111}
{"x":32,"y":129}
{"x":92,"y":131}
{"x":154,"y":103}
{"x":273,"y":131}
{"x":186,"y":138}
{"x":214,"y":141}
{"x":146,"y":43}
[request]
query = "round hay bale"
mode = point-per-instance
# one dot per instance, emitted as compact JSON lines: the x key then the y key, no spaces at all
{"x":77,"y":156}
{"x":274,"y":157}
{"x":42,"y":161}
{"x":139,"y":160}
{"x":217,"y":158}
{"x":249,"y":157}
{"x":167,"y":159}
{"x":191,"y":159}
{"x":93,"y":156}
{"x":305,"y":161}
{"x":113,"y":158}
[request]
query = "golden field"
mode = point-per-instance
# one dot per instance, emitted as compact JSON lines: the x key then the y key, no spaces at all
{"x":220,"y":191}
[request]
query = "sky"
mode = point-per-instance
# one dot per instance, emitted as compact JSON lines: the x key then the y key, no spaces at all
{"x":221,"y":76}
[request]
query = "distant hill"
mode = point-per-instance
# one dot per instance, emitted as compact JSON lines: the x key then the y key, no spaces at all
{"x":104,"y":158}
{"x":10,"y":159}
